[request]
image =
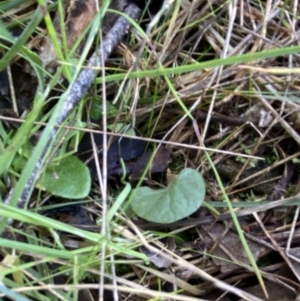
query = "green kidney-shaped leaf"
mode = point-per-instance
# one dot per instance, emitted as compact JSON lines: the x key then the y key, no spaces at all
{"x":68,"y":178}
{"x":183,"y":197}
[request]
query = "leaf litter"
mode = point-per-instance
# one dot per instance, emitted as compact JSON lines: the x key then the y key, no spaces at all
{"x":249,"y":109}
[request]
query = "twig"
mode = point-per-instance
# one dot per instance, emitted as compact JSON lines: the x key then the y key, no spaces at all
{"x":78,"y":91}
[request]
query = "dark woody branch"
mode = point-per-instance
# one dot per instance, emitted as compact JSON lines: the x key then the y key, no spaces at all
{"x":79,"y":89}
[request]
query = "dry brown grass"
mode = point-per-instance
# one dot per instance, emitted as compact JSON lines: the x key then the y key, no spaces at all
{"x":248,"y":118}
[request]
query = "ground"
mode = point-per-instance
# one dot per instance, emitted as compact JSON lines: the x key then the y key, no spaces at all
{"x":156,"y":162}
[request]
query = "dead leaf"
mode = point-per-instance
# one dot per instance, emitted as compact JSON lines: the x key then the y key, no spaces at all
{"x":259,"y":114}
{"x":78,"y":16}
{"x":156,"y":258}
{"x":159,"y":164}
{"x":294,"y":255}
{"x":71,"y":214}
{"x":184,"y":274}
{"x":275,"y":291}
{"x":229,"y":254}
{"x":170,"y":176}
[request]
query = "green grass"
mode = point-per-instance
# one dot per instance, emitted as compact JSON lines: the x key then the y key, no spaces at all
{"x":153,"y":98}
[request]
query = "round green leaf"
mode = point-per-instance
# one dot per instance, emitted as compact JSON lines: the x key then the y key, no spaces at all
{"x":183,"y":197}
{"x":68,"y":178}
